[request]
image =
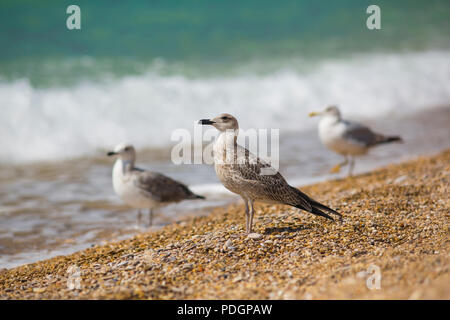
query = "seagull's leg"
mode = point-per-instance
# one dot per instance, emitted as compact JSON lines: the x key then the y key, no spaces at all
{"x":337,"y":167}
{"x":139,"y":218}
{"x":352,"y":164}
{"x":247,"y":215}
{"x":150,"y":217}
{"x":252,"y":212}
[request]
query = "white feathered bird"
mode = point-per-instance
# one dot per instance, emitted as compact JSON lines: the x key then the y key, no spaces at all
{"x":347,"y":138}
{"x":143,"y":189}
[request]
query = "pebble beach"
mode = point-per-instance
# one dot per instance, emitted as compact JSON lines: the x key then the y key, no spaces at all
{"x":395,"y":226}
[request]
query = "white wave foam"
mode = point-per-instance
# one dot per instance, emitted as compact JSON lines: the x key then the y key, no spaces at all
{"x":62,"y":122}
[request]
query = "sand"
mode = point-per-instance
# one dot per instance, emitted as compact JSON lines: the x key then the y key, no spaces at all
{"x":392,"y":244}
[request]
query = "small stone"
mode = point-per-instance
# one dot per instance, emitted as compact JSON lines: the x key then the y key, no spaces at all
{"x":120,"y":264}
{"x":400,"y":179}
{"x":307,"y":296}
{"x":361,"y":274}
{"x":255,"y":236}
{"x":187,"y":266}
{"x":415,"y":295}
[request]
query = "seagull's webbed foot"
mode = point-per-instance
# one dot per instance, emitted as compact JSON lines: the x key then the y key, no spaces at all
{"x":139,"y":220}
{"x":336,"y":168}
{"x":350,"y":169}
{"x":150,"y":217}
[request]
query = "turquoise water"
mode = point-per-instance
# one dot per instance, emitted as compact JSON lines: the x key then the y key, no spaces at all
{"x":202,"y":37}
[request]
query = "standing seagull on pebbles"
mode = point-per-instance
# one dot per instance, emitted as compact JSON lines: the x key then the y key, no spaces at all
{"x":144,"y":189}
{"x":347,"y":138}
{"x":244,"y":173}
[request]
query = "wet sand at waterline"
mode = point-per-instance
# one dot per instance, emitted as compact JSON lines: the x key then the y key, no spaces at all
{"x":395,"y":218}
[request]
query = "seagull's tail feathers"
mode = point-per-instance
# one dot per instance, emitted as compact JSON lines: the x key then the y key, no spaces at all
{"x":196,"y":197}
{"x":388,"y":139}
{"x":317,"y":212}
{"x":315,"y":207}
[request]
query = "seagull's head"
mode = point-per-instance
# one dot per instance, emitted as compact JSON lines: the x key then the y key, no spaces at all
{"x":329,"y":111}
{"x":123,"y":151}
{"x":222,"y":122}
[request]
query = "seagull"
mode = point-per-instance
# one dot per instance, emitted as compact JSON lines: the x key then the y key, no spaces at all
{"x":245,"y":174}
{"x":347,"y":138}
{"x":143,"y":189}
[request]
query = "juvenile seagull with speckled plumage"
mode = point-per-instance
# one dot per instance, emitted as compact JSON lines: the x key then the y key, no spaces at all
{"x":142,"y":189}
{"x":245,"y":174}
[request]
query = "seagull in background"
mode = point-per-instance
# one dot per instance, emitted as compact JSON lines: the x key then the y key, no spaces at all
{"x":143,"y":189}
{"x":245,"y":174}
{"x":347,"y":138}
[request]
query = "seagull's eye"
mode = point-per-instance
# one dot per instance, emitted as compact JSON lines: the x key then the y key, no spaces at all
{"x":127,"y":149}
{"x":224,"y":118}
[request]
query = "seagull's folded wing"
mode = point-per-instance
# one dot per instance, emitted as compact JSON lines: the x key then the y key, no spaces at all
{"x":251,"y":173}
{"x":160,"y":187}
{"x":360,"y":134}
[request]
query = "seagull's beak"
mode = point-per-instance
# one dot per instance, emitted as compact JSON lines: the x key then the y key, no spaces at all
{"x":313,"y":114}
{"x":111,"y":153}
{"x":205,"y":122}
